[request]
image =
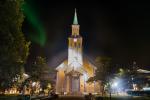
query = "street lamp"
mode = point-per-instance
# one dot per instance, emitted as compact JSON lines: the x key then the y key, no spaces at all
{"x":114,"y":85}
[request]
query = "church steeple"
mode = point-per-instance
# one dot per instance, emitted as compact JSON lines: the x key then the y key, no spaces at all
{"x":75,"y":20}
{"x":75,"y":44}
{"x":75,"y":25}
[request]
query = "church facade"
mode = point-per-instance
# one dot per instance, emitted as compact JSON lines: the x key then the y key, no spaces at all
{"x":73,"y":73}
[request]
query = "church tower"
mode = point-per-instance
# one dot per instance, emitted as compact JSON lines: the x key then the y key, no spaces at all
{"x":75,"y":44}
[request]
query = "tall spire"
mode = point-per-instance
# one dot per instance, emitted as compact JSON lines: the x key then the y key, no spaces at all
{"x":75,"y":20}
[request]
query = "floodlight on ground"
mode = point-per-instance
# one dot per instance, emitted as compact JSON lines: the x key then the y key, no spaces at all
{"x":115,"y":84}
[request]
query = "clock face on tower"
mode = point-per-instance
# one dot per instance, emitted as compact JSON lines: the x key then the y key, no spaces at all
{"x":75,"y":39}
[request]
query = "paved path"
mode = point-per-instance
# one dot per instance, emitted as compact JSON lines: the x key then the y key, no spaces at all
{"x":65,"y":98}
{"x":105,"y":98}
{"x":71,"y":98}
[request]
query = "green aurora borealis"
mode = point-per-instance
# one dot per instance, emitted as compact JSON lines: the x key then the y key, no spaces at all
{"x":39,"y":36}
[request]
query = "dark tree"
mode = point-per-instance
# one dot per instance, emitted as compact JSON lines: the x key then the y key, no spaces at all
{"x":103,"y":71}
{"x":39,"y":69}
{"x":14,"y":49}
{"x":103,"y":68}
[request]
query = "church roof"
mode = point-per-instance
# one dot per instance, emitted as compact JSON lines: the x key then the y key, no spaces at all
{"x":75,"y":20}
{"x":68,"y":68}
{"x":85,"y":59}
{"x":87,"y":67}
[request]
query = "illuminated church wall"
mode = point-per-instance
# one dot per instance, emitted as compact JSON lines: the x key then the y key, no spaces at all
{"x":75,"y":49}
{"x":60,"y":79}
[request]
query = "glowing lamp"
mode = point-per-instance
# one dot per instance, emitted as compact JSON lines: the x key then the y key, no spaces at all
{"x":33,"y":84}
{"x":115,"y":84}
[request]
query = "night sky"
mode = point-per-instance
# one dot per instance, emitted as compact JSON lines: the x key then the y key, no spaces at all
{"x":120,"y":30}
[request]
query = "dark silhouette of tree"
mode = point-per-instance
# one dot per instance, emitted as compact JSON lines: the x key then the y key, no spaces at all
{"x":103,"y":71}
{"x":14,"y":49}
{"x":40,"y":71}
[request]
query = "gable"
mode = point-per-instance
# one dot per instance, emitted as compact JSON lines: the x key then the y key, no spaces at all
{"x":87,"y":67}
{"x":62,"y":65}
{"x":90,"y":69}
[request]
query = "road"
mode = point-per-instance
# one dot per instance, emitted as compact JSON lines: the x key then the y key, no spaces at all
{"x":71,"y":98}
{"x":99,"y":98}
{"x":63,"y":98}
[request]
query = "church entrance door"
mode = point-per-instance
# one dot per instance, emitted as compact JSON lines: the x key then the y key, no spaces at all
{"x":75,"y":84}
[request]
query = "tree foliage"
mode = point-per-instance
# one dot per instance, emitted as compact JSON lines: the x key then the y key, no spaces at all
{"x":103,"y":68}
{"x":14,"y":49}
{"x":39,"y":69}
{"x":103,"y":71}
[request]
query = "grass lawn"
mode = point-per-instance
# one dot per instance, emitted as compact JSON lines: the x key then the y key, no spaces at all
{"x":14,"y":97}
